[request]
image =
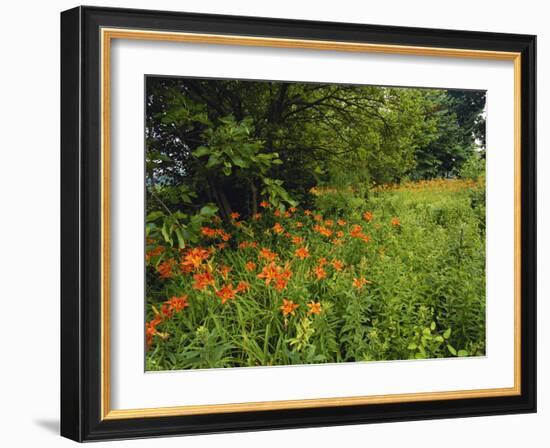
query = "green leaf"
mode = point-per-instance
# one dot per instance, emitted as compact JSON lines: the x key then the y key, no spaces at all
{"x":181,"y":240}
{"x":462,"y":353}
{"x":240,"y":162}
{"x":451,"y":349}
{"x":213,"y":161}
{"x":447,"y":333}
{"x":209,"y":210}
{"x":149,"y":227}
{"x":155,"y":156}
{"x":432,"y":326}
{"x":166,"y":234}
{"x":186,"y":198}
{"x":153,"y":216}
{"x":201,"y":151}
{"x":202,"y":118}
{"x":412,"y":346}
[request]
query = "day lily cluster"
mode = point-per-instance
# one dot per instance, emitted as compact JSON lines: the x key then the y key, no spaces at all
{"x":262,"y":255}
{"x":167,"y":310}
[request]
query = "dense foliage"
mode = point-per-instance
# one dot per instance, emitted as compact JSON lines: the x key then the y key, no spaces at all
{"x":296,"y":223}
{"x":228,"y":142}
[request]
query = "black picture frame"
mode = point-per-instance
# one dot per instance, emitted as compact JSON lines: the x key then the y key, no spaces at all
{"x":81,"y":224}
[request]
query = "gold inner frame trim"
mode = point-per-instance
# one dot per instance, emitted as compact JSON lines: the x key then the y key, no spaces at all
{"x":107,"y":35}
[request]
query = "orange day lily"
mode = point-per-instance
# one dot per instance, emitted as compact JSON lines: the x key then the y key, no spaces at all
{"x":314,"y":307}
{"x":278,"y":228}
{"x":302,"y":253}
{"x":193,"y":258}
{"x":178,"y":303}
{"x":165,"y":268}
{"x":277,"y":274}
{"x":296,"y":240}
{"x":223,"y":235}
{"x":319,"y":272}
{"x":267,"y":254}
{"x":202,"y":280}
{"x":243,"y":286}
{"x":209,"y":232}
{"x":151,"y":329}
{"x":269,"y":273}
{"x":250,"y":266}
{"x":356,"y":230}
{"x":337,"y":265}
{"x":226,"y":293}
{"x":225,"y":270}
{"x":323,"y":230}
{"x":158,"y":250}
{"x":360,"y":282}
{"x":288,"y":307}
{"x":280,"y":283}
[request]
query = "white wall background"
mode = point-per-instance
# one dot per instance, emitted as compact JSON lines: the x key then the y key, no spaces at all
{"x":29,"y":224}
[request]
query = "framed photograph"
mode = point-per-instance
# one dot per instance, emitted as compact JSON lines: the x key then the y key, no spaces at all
{"x":276,"y":224}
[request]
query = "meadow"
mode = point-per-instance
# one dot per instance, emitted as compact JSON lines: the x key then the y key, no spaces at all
{"x":296,"y":223}
{"x":392,"y":272}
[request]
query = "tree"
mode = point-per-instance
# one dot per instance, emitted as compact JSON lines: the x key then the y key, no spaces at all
{"x":460,"y":131}
{"x":231,"y":141}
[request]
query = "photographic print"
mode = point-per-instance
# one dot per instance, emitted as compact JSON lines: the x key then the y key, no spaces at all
{"x":305,"y":223}
{"x":259,"y":201}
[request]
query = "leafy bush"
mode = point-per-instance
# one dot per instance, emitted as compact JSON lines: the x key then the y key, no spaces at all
{"x":473,"y":168}
{"x":338,"y":202}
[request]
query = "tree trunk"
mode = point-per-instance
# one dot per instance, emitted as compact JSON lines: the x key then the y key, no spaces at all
{"x":254,"y":191}
{"x":226,"y":205}
{"x":220,"y":198}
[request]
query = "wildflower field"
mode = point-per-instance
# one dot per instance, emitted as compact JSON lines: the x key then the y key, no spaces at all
{"x":401,"y":278}
{"x":295,"y":223}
